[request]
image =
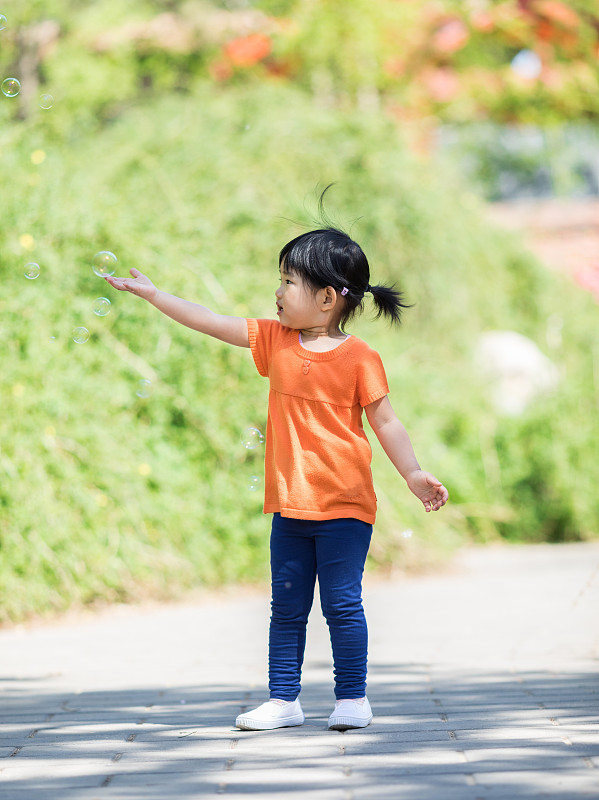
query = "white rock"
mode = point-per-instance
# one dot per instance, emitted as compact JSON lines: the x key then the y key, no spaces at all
{"x":517,"y":371}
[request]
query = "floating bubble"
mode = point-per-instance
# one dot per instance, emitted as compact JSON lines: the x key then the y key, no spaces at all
{"x":3,"y":22}
{"x":32,"y":271}
{"x":288,"y":584}
{"x":80,"y":335}
{"x":251,"y":438}
{"x":46,"y":101}
{"x":37,"y":157}
{"x":254,"y":483}
{"x":101,"y":306}
{"x":144,"y":389}
{"x":104,"y":263}
{"x":11,"y":87}
{"x":407,"y":534}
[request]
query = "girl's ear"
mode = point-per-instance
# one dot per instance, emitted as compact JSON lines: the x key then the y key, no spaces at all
{"x":329,"y":299}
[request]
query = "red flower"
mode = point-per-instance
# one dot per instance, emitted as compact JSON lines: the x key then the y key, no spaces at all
{"x":588,"y":278}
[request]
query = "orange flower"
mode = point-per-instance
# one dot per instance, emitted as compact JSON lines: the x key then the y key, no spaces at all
{"x":557,"y":12}
{"x":451,"y":36}
{"x":442,"y":84}
{"x":220,"y":70}
{"x":247,"y":50}
{"x":482,"y":21}
{"x":394,"y":67}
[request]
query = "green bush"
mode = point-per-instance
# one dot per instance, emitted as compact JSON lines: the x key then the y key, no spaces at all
{"x":108,"y":496}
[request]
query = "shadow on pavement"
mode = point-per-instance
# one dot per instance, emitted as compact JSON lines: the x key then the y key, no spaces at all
{"x":438,"y":733}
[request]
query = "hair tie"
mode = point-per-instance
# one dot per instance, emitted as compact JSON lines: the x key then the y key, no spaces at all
{"x":345,"y":290}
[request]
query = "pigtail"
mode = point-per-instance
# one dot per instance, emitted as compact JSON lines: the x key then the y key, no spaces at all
{"x":389,"y":303}
{"x":329,"y":257}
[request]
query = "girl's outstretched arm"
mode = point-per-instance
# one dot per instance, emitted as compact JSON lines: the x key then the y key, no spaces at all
{"x":396,"y":443}
{"x":232,"y":330}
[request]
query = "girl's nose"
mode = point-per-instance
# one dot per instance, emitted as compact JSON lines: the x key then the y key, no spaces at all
{"x":279,"y":293}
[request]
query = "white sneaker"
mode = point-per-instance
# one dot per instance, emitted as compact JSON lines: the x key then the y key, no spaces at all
{"x":350,"y":714}
{"x":270,"y":715}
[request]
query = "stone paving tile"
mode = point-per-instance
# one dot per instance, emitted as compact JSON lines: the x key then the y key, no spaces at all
{"x":443,"y":755}
{"x":406,"y":721}
{"x":557,"y":783}
{"x":499,"y":735}
{"x":268,"y":779}
{"x":200,"y":788}
{"x":52,"y":793}
{"x":406,"y":787}
{"x":575,"y":720}
{"x":78,"y":773}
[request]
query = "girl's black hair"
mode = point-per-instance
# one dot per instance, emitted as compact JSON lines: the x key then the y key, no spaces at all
{"x":329,"y":257}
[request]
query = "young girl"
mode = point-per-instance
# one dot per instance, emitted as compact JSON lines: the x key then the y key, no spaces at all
{"x":318,"y":482}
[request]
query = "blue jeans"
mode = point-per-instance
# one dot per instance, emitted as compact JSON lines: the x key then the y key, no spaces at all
{"x":334,"y":550}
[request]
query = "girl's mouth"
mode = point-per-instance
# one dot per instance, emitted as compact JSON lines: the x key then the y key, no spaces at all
{"x":279,"y":309}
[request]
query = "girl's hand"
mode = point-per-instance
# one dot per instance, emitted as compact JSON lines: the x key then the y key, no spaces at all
{"x":428,"y":489}
{"x":141,"y":285}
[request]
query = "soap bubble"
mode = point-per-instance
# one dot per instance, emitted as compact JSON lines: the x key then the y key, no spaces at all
{"x":407,"y":534}
{"x":11,"y":87}
{"x":251,"y":438}
{"x":101,"y":306}
{"x":46,"y":101}
{"x":80,"y":335}
{"x":3,"y":22}
{"x":32,"y":271}
{"x":254,"y":483}
{"x":144,"y":389}
{"x":104,"y":263}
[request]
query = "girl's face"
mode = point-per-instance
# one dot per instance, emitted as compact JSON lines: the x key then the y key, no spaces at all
{"x":296,"y":304}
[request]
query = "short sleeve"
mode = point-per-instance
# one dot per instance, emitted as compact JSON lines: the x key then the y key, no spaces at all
{"x":372,"y":380}
{"x":261,"y":333}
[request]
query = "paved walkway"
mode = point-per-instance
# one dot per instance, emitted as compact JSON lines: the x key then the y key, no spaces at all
{"x":483,"y":682}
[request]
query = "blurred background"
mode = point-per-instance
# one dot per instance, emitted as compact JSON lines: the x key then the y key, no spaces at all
{"x":192,"y":140}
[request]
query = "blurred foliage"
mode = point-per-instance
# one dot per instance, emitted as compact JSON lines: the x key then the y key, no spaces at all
{"x":190,"y":163}
{"x":526,"y":61}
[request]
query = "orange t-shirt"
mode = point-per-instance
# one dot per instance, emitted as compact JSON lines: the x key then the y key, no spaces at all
{"x":317,"y":463}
